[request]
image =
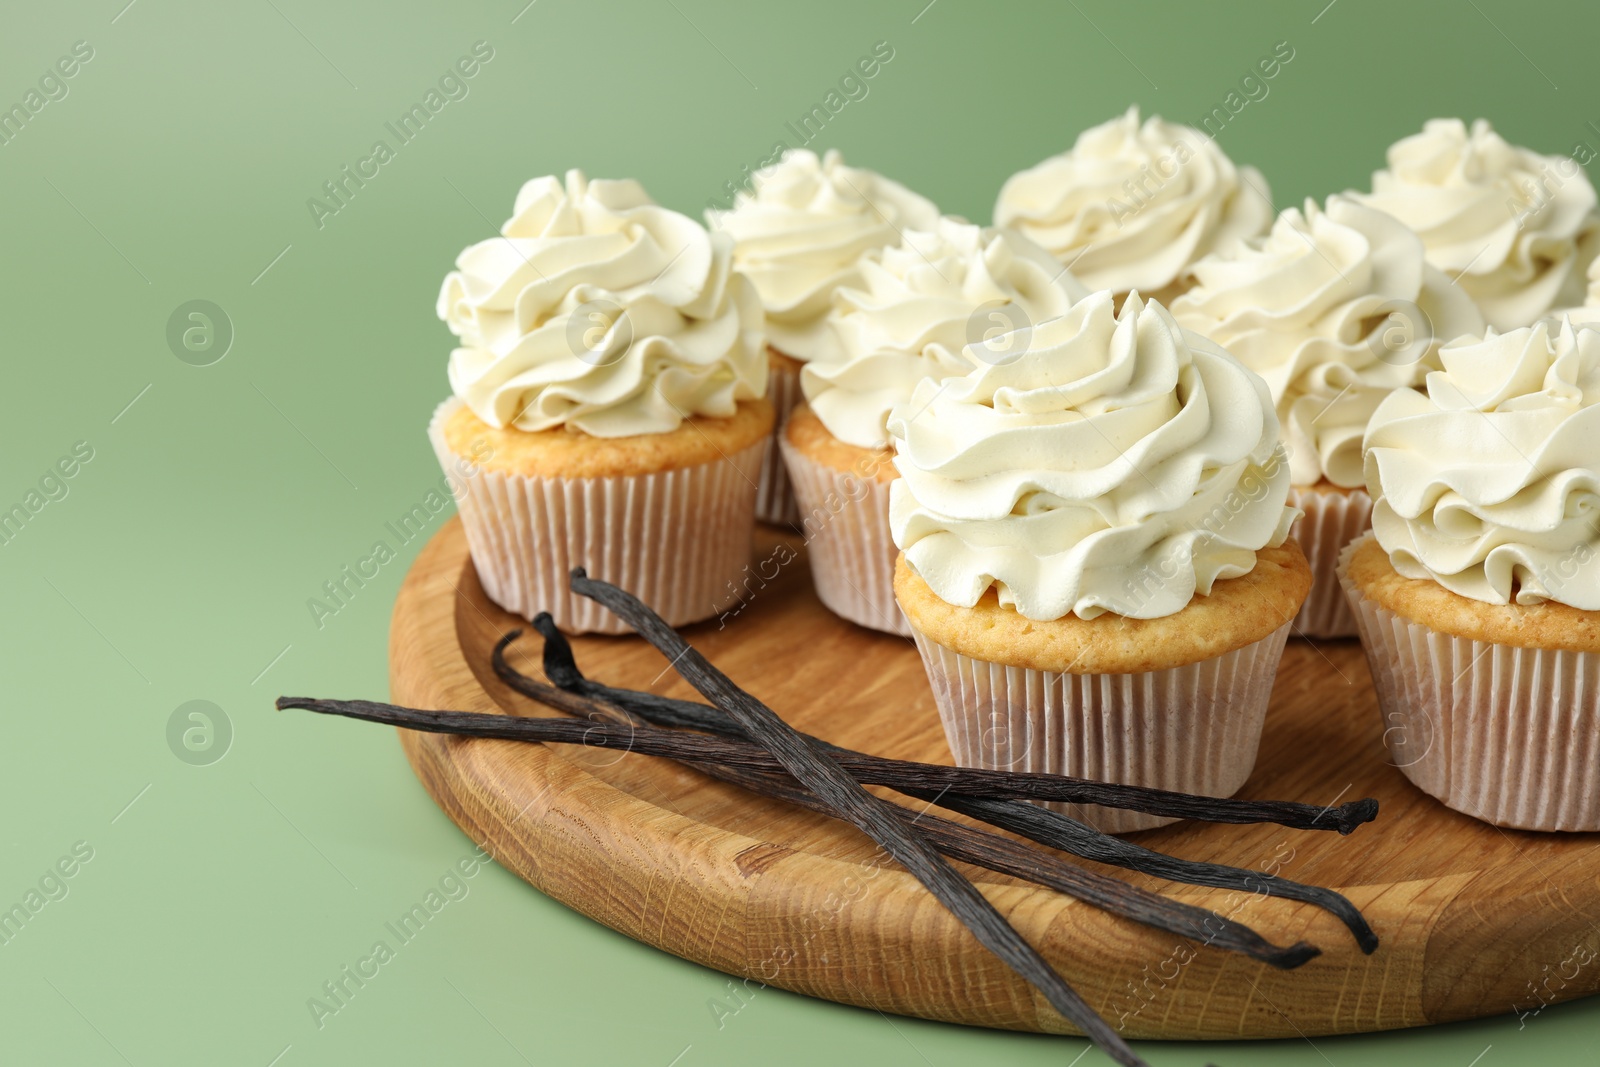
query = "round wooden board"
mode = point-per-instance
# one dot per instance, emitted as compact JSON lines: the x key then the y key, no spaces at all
{"x":1473,"y":920}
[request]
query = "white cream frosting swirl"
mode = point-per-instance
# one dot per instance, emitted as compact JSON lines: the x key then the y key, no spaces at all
{"x":1120,"y":464}
{"x":1516,"y":229}
{"x":799,"y":234}
{"x":602,"y":311}
{"x":1489,"y":482}
{"x":1335,"y":308}
{"x":918,"y":306}
{"x":1132,"y":204}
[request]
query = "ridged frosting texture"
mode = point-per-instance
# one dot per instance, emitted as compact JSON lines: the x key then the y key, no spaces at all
{"x":1487,"y":482}
{"x":1120,"y":464}
{"x":1335,"y":308}
{"x":600,"y":310}
{"x":1516,"y":229}
{"x":1133,"y":204}
{"x":918,"y":305}
{"x":798,"y":236}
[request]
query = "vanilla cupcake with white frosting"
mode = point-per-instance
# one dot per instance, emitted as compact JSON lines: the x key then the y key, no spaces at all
{"x":798,"y":236}
{"x":1478,"y":592}
{"x":1516,"y":229}
{"x":1132,"y":205}
{"x":1336,"y":308}
{"x":916,"y":310}
{"x":1095,"y":556}
{"x":610,"y":404}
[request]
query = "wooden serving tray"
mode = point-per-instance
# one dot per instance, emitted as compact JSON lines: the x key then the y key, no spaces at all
{"x":1473,"y":920}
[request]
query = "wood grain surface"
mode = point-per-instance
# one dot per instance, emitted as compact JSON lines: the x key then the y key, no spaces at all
{"x":1473,"y":920}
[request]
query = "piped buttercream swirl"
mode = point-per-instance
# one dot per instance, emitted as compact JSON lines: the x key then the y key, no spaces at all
{"x":1488,"y":482}
{"x":799,"y":234}
{"x":918,"y":306}
{"x":1133,"y":204}
{"x":1335,"y":308}
{"x":1516,"y":229}
{"x":1119,"y":464}
{"x":602,"y":311}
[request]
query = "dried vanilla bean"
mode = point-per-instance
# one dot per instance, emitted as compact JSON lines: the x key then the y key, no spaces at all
{"x":745,"y":764}
{"x":562,"y":670}
{"x":811,"y":765}
{"x":1039,"y":824}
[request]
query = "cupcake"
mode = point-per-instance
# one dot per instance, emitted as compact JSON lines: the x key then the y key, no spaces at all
{"x":797,"y":237}
{"x":1478,"y":590}
{"x":1517,"y":230}
{"x":610,"y":398}
{"x":917,"y":309}
{"x":1095,"y":556}
{"x":1335,"y":308}
{"x":1132,"y":205}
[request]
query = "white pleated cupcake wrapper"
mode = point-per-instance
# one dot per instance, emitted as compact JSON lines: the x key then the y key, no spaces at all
{"x":845,"y":520}
{"x":679,"y":540}
{"x":1193,"y":728}
{"x":1331,"y":521}
{"x":1507,"y":735}
{"x":775,"y":501}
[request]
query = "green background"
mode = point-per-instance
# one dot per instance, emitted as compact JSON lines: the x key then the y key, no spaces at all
{"x":179,"y":564}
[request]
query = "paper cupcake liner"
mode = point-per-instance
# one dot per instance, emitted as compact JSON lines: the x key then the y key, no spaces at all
{"x":1507,"y":735}
{"x":775,"y":501}
{"x":1193,"y":728}
{"x":1331,"y":521}
{"x":845,"y":520}
{"x":679,"y":540}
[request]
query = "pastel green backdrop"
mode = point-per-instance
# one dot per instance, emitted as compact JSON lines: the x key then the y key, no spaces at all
{"x":176,"y":165}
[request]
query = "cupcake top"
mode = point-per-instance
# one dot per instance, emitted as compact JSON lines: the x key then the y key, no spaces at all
{"x":1119,"y":464}
{"x":799,"y":234}
{"x":599,"y":310}
{"x":918,"y":305}
{"x":1132,"y":205}
{"x":1487,"y":482}
{"x":1516,"y":229}
{"x":1335,"y":309}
